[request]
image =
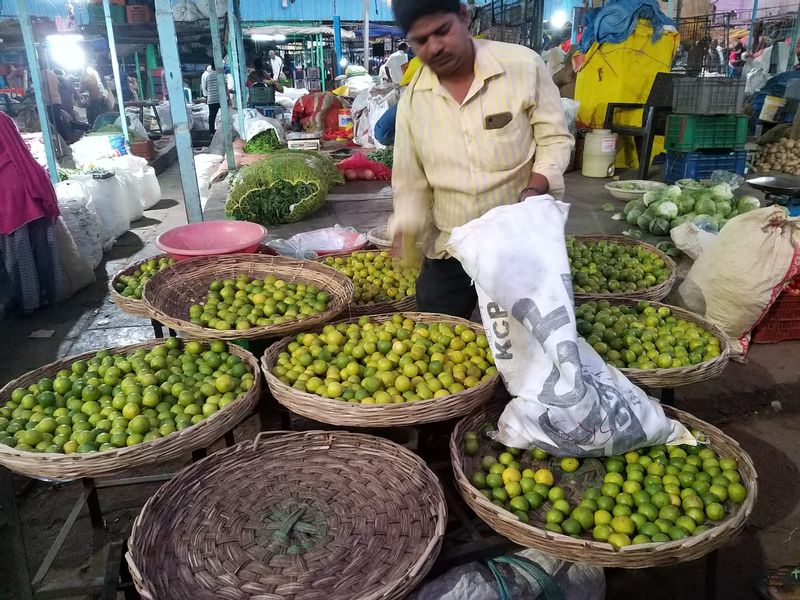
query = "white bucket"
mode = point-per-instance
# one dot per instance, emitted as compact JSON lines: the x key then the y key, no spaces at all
{"x":599,"y":153}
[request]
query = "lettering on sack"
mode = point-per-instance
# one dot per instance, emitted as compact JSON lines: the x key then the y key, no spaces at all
{"x":501,"y":331}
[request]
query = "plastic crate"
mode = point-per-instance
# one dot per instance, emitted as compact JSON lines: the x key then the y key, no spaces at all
{"x":686,"y":133}
{"x":700,"y":165}
{"x":97,"y":16}
{"x":782,"y":321}
{"x":708,"y":95}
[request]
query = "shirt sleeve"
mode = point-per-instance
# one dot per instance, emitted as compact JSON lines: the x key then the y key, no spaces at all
{"x":413,"y":196}
{"x":553,"y":140}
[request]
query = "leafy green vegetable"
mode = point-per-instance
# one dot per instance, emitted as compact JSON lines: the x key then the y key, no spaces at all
{"x":638,"y":203}
{"x":659,"y":226}
{"x":633,"y":232}
{"x":667,"y":209}
{"x":632,"y":216}
{"x":723,"y":208}
{"x":322,"y":161}
{"x":609,"y":207}
{"x":722,"y":191}
{"x":705,"y":206}
{"x":265,"y":142}
{"x":747,"y":203}
{"x":283,"y":188}
{"x":385,"y":156}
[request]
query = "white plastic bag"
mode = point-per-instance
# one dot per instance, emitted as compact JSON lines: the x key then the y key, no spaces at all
{"x":151,"y":189}
{"x":111,"y":208}
{"x":129,"y":177}
{"x":206,"y":165}
{"x":165,"y":116}
{"x":198,"y":116}
{"x":82,"y":223}
{"x":91,"y":148}
{"x":254,"y":123}
{"x":368,"y":108}
{"x":474,"y":581}
{"x":567,"y":400}
{"x":691,"y":240}
{"x":310,"y":244}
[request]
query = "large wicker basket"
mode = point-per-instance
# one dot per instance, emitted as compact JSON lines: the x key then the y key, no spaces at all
{"x":169,"y":294}
{"x":657,"y":292}
{"x":66,"y":467}
{"x":337,"y":412}
{"x":132,"y":306}
{"x":406,"y":304}
{"x":299,"y":516}
{"x":602,"y":554}
{"x":671,"y":378}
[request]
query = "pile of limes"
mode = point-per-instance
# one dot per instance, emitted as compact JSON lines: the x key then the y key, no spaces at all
{"x":654,"y":494}
{"x":643,"y":336}
{"x":377,"y":276}
{"x":242,"y":303}
{"x":131,"y":286}
{"x":603,"y":267}
{"x":117,"y":400}
{"x":396,"y":361}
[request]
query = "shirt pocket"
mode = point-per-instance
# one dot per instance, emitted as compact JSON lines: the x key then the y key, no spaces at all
{"x":508,"y":147}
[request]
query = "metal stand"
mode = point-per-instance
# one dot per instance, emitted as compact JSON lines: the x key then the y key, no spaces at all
{"x":160,"y":332}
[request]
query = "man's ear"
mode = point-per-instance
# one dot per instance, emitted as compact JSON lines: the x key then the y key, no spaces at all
{"x":463,"y":14}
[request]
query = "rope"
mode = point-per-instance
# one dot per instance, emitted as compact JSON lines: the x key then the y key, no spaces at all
{"x":550,"y":588}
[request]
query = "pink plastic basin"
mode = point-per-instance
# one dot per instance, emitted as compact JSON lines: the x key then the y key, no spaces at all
{"x":211,"y":238}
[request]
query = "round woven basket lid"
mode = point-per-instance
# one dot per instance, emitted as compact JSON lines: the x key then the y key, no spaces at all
{"x":312,"y":515}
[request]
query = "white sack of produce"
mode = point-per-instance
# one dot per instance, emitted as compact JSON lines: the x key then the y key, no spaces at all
{"x":111,"y":209}
{"x":568,"y":401}
{"x":82,"y":223}
{"x":734,"y":282}
{"x":76,"y":271}
{"x":141,"y":180}
{"x":165,"y":116}
{"x":206,"y":165}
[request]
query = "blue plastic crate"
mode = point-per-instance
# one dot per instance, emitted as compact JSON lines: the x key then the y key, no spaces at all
{"x":700,"y":165}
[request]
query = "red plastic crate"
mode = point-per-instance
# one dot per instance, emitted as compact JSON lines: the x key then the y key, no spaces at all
{"x":782,"y":322}
{"x":139,"y":14}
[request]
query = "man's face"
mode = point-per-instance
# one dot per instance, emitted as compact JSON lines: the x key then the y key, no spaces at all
{"x":272,"y":54}
{"x":442,"y":41}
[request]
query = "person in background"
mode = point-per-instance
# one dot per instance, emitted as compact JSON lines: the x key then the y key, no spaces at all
{"x":66,"y":90}
{"x":382,"y":71}
{"x":204,"y":79}
{"x":276,"y":64}
{"x":735,"y":60}
{"x":395,"y":62}
{"x":481,"y":125}
{"x":213,"y":99}
{"x":92,"y":85}
{"x":51,"y":91}
{"x":259,"y":75}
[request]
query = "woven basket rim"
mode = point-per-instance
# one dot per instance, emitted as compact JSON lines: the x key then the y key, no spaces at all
{"x":377,"y":415}
{"x":132,"y":306}
{"x":49,"y":465}
{"x":679,"y":376}
{"x":432,"y":504}
{"x":601,"y":553}
{"x":340,"y":288}
{"x":656,"y":292}
{"x":408,"y":303}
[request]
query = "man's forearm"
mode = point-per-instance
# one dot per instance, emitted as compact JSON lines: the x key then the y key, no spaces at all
{"x":537,"y":185}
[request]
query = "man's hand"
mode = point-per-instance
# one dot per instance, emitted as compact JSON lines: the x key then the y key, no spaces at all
{"x":404,"y":246}
{"x":538,"y":185}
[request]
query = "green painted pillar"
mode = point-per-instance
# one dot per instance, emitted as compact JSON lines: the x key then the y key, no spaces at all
{"x":151,"y":63}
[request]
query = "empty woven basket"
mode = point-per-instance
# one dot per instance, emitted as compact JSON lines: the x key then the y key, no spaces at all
{"x":298,"y":516}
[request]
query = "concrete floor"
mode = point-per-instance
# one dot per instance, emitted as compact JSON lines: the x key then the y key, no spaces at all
{"x":753,"y":402}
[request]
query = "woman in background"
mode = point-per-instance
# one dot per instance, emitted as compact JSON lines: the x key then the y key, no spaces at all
{"x":28,"y":213}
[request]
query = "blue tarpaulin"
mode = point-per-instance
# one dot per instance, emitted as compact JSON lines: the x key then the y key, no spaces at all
{"x":615,"y":22}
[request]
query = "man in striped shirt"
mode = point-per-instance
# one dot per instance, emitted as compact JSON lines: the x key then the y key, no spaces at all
{"x":481,"y":125}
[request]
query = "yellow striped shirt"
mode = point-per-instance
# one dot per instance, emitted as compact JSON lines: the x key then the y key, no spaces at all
{"x":450,"y":169}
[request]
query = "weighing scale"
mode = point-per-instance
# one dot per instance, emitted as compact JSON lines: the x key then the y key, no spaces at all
{"x":780,"y":189}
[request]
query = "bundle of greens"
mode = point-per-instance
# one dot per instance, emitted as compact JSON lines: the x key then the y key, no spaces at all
{"x":265,"y":142}
{"x":323,"y":163}
{"x":709,"y":207}
{"x":385,"y":156}
{"x":282,"y":188}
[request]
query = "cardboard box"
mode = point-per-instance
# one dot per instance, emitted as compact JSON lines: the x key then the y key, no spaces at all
{"x":139,"y":14}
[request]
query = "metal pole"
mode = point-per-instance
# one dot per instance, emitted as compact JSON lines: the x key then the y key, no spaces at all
{"x":36,"y":75}
{"x":151,"y":65}
{"x":237,"y":61}
{"x":112,"y":47}
{"x":366,"y":35}
{"x":216,"y":45}
{"x":138,"y":75}
{"x":180,"y":116}
{"x":751,"y":39}
{"x":795,"y":40}
{"x":337,"y":42}
{"x":573,"y":37}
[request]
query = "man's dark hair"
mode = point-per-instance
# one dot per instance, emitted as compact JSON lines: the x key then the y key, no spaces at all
{"x":402,"y":46}
{"x":408,"y":11}
{"x":258,"y":64}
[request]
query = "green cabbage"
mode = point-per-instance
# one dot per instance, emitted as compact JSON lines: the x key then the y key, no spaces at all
{"x":673,"y":192}
{"x":283,"y":188}
{"x":667,"y":209}
{"x":659,"y":226}
{"x":722,"y":191}
{"x":643,"y":222}
{"x":632,"y":216}
{"x":651,"y":196}
{"x":723,"y":208}
{"x":705,"y":206}
{"x":322,"y":161}
{"x":686,"y":204}
{"x":638,"y":203}
{"x":679,"y":220}
{"x":747,"y":203}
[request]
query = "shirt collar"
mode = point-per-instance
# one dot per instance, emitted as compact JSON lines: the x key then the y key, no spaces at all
{"x":486,"y":67}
